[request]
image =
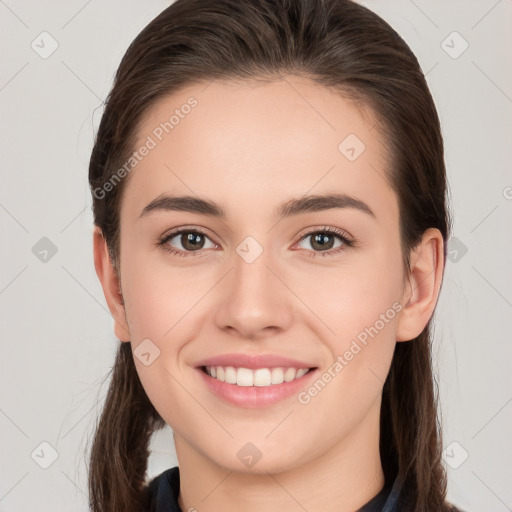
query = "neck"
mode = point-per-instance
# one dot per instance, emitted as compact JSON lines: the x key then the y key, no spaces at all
{"x":341,"y":480}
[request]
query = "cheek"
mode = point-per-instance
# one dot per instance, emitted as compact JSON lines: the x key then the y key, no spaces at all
{"x":363,"y":316}
{"x":348,"y":299}
{"x":356,"y":314}
{"x":158,"y":297}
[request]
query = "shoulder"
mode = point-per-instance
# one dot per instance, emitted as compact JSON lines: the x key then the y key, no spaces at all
{"x":163,"y":490}
{"x":401,"y":498}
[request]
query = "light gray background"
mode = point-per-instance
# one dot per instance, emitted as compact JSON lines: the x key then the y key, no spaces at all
{"x":56,"y":332}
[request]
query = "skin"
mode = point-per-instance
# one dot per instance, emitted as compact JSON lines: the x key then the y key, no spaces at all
{"x":251,"y":147}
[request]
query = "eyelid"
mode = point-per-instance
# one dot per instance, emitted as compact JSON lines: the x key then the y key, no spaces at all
{"x":187,"y":228}
{"x":321,"y":229}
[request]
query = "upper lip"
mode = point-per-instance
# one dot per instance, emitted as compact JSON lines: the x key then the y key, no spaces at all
{"x":254,"y":361}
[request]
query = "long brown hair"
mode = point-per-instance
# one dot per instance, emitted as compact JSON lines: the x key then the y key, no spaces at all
{"x":336,"y":43}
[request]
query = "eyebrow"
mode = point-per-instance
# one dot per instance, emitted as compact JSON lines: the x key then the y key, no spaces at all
{"x":296,"y":206}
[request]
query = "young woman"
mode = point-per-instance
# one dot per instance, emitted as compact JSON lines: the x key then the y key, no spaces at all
{"x":270,"y":215}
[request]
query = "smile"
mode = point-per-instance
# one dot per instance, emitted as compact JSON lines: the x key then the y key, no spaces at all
{"x":260,"y":377}
{"x":252,"y":388}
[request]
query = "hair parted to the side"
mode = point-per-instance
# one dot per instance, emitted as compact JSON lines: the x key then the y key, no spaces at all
{"x":336,"y":43}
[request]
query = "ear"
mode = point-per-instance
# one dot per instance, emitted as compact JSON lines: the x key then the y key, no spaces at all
{"x":111,"y":285}
{"x":424,"y":284}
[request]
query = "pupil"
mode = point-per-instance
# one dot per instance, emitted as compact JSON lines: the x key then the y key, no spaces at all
{"x":192,"y":241}
{"x":319,"y":239}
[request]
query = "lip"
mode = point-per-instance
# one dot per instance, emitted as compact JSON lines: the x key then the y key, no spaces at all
{"x":254,"y":397}
{"x":254,"y":361}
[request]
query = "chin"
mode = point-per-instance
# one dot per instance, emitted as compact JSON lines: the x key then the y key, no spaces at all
{"x":261,"y":464}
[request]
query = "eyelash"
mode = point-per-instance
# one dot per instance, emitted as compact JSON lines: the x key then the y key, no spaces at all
{"x":347,"y":242}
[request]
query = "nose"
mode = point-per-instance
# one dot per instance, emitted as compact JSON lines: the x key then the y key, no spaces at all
{"x":253,"y":301}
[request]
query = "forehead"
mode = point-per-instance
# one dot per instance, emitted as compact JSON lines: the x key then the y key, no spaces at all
{"x":256,"y":143}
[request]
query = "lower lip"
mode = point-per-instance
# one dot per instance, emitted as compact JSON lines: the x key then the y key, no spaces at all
{"x":253,"y":397}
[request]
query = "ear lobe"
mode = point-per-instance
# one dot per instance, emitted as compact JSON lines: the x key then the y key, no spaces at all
{"x":111,"y":285}
{"x":424,"y":284}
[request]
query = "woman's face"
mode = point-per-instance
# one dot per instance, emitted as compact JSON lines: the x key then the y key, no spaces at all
{"x":264,"y":280}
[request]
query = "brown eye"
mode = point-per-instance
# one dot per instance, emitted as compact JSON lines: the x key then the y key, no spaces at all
{"x":324,"y":241}
{"x":191,"y":241}
{"x":182,"y":241}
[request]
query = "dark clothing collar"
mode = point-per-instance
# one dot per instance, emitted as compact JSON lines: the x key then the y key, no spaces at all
{"x":164,"y":490}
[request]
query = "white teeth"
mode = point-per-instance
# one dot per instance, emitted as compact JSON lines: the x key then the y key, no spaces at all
{"x":230,"y":375}
{"x":244,"y":377}
{"x":277,"y":376}
{"x":289,"y":374}
{"x":260,"y":377}
{"x":300,"y":373}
